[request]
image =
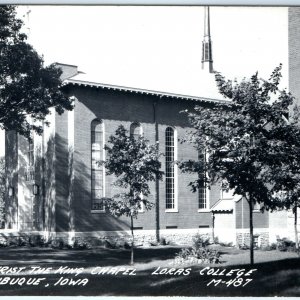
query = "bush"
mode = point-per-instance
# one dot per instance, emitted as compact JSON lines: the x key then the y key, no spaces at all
{"x":200,"y":255}
{"x":37,"y":241}
{"x":57,"y":244}
{"x":201,"y":241}
{"x":270,"y":247}
{"x":3,"y":242}
{"x":109,"y":245}
{"x":163,"y":242}
{"x":81,"y":245}
{"x":199,"y":252}
{"x":286,"y":245}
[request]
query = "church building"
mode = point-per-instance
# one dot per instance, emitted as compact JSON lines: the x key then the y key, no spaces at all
{"x":55,"y":185}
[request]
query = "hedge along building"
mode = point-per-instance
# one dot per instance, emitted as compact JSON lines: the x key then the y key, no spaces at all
{"x":55,"y":185}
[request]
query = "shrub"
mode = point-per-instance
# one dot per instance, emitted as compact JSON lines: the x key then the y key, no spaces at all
{"x":270,"y":247}
{"x":286,"y":245}
{"x":200,"y":255}
{"x":37,"y":241}
{"x":163,"y":242}
{"x":199,"y":252}
{"x":109,"y":245}
{"x":200,"y":241}
{"x":3,"y":242}
{"x":57,"y":244}
{"x":216,"y":240}
{"x":22,"y":242}
{"x":81,"y":245}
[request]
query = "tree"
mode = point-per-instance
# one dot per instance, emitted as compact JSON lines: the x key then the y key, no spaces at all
{"x":135,"y":163}
{"x":285,"y":173}
{"x":240,"y":138}
{"x":27,"y":88}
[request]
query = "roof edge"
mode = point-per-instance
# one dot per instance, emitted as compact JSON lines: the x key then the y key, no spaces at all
{"x":141,"y":91}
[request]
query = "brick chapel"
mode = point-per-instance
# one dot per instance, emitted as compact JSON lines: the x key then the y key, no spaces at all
{"x":55,"y":185}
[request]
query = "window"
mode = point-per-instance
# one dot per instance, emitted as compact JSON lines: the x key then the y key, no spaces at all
{"x":30,"y":153}
{"x":98,"y":172}
{"x":206,"y":51}
{"x":29,"y":175}
{"x":202,"y":189}
{"x":171,"y":170}
{"x":136,"y":130}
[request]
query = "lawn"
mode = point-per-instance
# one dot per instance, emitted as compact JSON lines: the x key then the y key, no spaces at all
{"x":277,"y":273}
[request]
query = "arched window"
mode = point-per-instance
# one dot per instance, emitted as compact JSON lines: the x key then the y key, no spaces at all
{"x":29,"y":175}
{"x":171,"y":169}
{"x":98,"y":172}
{"x":136,"y":130}
{"x":30,"y":152}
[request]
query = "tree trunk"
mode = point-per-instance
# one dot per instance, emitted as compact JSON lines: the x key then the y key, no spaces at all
{"x":251,"y":231}
{"x":132,"y":242}
{"x":295,"y":228}
{"x":213,"y":227}
{"x":157,"y":220}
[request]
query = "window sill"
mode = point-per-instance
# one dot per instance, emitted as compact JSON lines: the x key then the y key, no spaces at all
{"x":171,"y":210}
{"x":203,"y":210}
{"x":97,"y":211}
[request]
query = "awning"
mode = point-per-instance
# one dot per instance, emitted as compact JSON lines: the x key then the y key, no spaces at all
{"x":223,"y":205}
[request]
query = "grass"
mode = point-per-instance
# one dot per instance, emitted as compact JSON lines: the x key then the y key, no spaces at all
{"x":278,"y":273}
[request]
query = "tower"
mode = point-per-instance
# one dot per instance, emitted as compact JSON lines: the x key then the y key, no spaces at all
{"x":207,"y":61}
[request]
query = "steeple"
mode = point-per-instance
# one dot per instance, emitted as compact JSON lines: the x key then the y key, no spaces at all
{"x":207,"y":61}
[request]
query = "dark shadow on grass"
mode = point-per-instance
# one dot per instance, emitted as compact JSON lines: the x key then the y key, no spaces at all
{"x":276,"y":278}
{"x":95,"y":256}
{"x":279,"y":278}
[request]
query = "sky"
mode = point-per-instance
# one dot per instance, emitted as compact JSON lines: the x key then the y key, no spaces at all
{"x":158,"y":47}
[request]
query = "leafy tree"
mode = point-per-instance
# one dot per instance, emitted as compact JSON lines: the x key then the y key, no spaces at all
{"x":27,"y":88}
{"x":240,"y":139}
{"x":285,"y":173}
{"x":135,"y":163}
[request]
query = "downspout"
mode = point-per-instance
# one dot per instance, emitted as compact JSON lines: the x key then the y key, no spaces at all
{"x":157,"y":217}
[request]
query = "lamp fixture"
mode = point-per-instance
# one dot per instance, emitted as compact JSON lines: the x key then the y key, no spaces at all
{"x":11,"y":191}
{"x":35,"y":189}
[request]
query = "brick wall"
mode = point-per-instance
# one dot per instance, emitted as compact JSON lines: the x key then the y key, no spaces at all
{"x":116,"y":108}
{"x":260,"y":220}
{"x":294,"y":52}
{"x":62,"y":181}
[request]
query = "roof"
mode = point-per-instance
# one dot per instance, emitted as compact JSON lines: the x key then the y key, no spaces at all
{"x":223,"y":205}
{"x":140,"y":91}
{"x":203,"y":88}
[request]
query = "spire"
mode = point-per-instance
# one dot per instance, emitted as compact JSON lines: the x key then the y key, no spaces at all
{"x":207,"y":61}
